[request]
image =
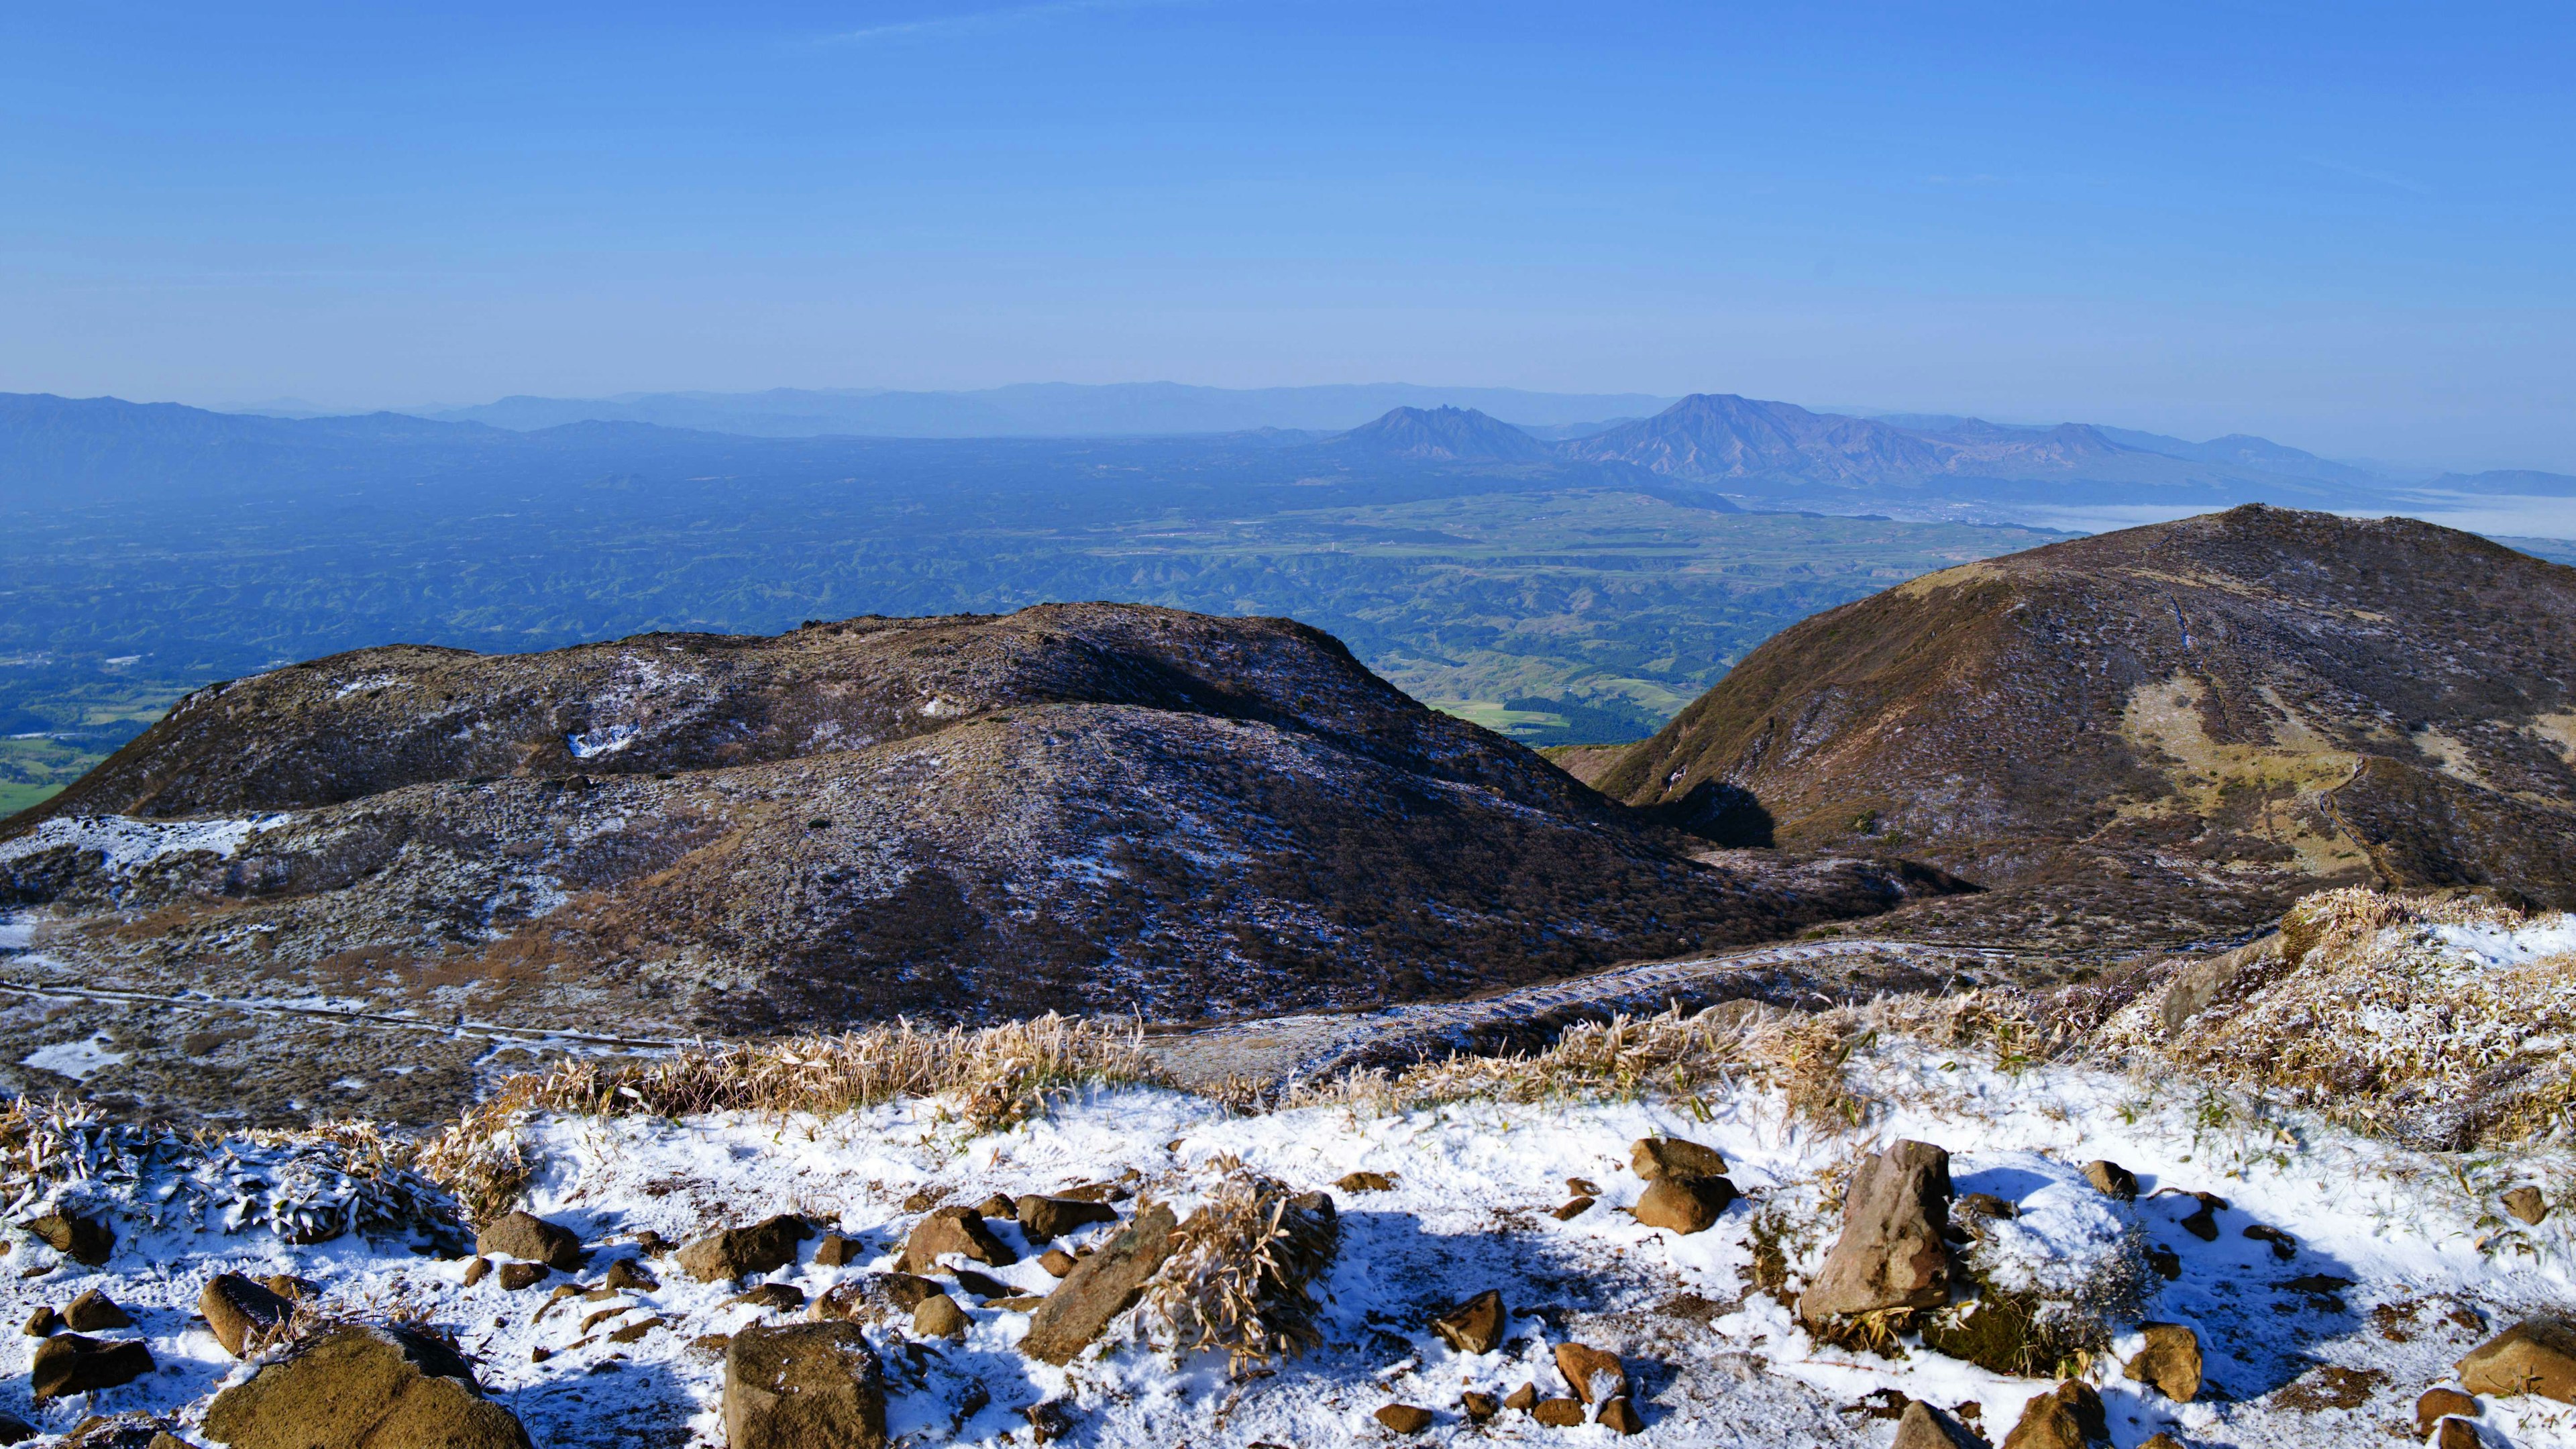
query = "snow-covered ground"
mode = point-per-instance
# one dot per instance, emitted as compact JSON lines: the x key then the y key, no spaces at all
{"x":2400,"y":1265}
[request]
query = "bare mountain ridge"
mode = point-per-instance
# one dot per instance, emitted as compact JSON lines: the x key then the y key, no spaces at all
{"x":1080,"y":807}
{"x":2186,"y":724}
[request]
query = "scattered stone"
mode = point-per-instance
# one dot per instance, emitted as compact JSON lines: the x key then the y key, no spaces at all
{"x":1621,"y":1416}
{"x":134,"y":1429}
{"x":515,"y":1276}
{"x":290,"y":1287}
{"x":1685,"y":1205}
{"x":2526,"y":1203}
{"x":1522,"y":1398}
{"x":1890,"y":1254}
{"x":82,"y":1239}
{"x":2166,"y":1262}
{"x":957,"y":1230}
{"x":765,"y":1246}
{"x":1921,"y":1426}
{"x":924,"y":1199}
{"x":938,"y":1316}
{"x":997,"y":1206}
{"x":777,"y":1297}
{"x":840,"y":1301}
{"x":1365,"y":1182}
{"x":1478,"y":1407}
{"x":2112,"y":1179}
{"x":1596,"y":1377}
{"x":2068,"y":1417}
{"x":1045,"y":1219}
{"x":1984,"y":1205}
{"x":14,"y":1430}
{"x":1557,"y":1413}
{"x":803,"y":1386}
{"x":477,"y":1271}
{"x":44,"y":1321}
{"x":1056,"y":1261}
{"x":68,"y":1363}
{"x":95,"y":1312}
{"x":1655,"y":1158}
{"x":2535,"y":1356}
{"x":2203,"y":1221}
{"x":356,"y":1388}
{"x":1100,"y":1288}
{"x":2284,"y":1246}
{"x":1097,"y":1192}
{"x":1405,"y":1418}
{"x":243,"y":1314}
{"x":626,"y":1274}
{"x":837,"y":1251}
{"x":1474,"y":1326}
{"x":1049,"y":1421}
{"x":634,"y":1332}
{"x":1582,"y":1187}
{"x":904,"y":1290}
{"x":652,"y":1244}
{"x":1020,"y":1303}
{"x":1573,"y":1209}
{"x":540,"y":1354}
{"x":2170,"y":1361}
{"x":2436,"y":1403}
{"x":526,"y":1236}
{"x":2161,"y":1440}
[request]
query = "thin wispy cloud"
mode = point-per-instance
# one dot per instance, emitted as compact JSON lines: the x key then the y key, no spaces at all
{"x":982,"y":21}
{"x":2381,"y":178}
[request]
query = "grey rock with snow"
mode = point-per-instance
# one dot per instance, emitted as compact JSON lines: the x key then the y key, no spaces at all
{"x":1890,"y":1254}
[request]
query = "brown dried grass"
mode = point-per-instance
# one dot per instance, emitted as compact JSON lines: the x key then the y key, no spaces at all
{"x":1240,"y":1267}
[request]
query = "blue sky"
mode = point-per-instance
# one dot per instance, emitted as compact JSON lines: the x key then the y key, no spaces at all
{"x":2347,"y":227}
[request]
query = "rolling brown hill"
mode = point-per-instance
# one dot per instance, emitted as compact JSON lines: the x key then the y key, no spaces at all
{"x":2167,"y":731}
{"x":1091,"y":808}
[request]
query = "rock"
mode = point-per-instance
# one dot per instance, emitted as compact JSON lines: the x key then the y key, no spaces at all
{"x":905,"y":1291}
{"x":2204,"y":981}
{"x":777,"y":1297}
{"x":652,"y":1244}
{"x":1656,"y":1158}
{"x":957,"y":1230}
{"x":1923,"y":1427}
{"x":1890,"y":1254}
{"x":1523,"y":1398}
{"x":2112,"y":1179}
{"x":803,"y":1386}
{"x":2161,"y":1440}
{"x":358,"y":1388}
{"x":2284,"y":1247}
{"x":840,"y":1301}
{"x":1574,"y":1208}
{"x":1596,"y":1377}
{"x":1478,"y":1407}
{"x":1983,"y":1205}
{"x":1100,"y":1288}
{"x":2436,"y":1403}
{"x":515,"y":1276}
{"x":1557,"y":1413}
{"x":1049,"y":1421}
{"x":82,"y":1239}
{"x":938,"y":1316}
{"x":243,"y":1314}
{"x":1365,"y":1181}
{"x":769,"y":1244}
{"x":95,"y":1312}
{"x":836,"y":1251}
{"x":1405,"y":1418}
{"x":477,"y":1270}
{"x":2456,"y":1434}
{"x":135,"y":1429}
{"x":14,"y":1430}
{"x":1056,"y":1261}
{"x":1684,"y":1205}
{"x":1045,"y":1219}
{"x":532,"y":1239}
{"x":1582,"y":1187}
{"x":68,"y":1363}
{"x":2535,"y":1356}
{"x":2166,"y":1262}
{"x":982,"y":1286}
{"x":2203,"y":1220}
{"x":2068,"y":1417}
{"x":626,"y":1274}
{"x":1096,"y":1192}
{"x":1621,"y":1416}
{"x":924,"y":1199}
{"x":1017,"y":1303}
{"x":997,"y":1206}
{"x":2170,"y":1361}
{"x":2526,"y":1203}
{"x":1474,"y":1326}
{"x":290,"y":1287}
{"x":44,"y":1321}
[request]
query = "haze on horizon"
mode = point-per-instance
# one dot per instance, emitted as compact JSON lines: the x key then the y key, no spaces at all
{"x":2339,"y":228}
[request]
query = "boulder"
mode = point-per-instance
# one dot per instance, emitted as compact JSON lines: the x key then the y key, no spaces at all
{"x":243,"y":1314}
{"x":14,"y":1430}
{"x":360,"y":1388}
{"x":2437,"y":1403}
{"x":134,"y":1429}
{"x":1474,"y":1326}
{"x":2067,"y":1417}
{"x":290,"y":1287}
{"x":477,"y":1270}
{"x":776,"y":1297}
{"x":1404,"y":1418}
{"x":2535,"y":1356}
{"x":1574,"y":1207}
{"x":1620,"y":1416}
{"x":904,"y":1290}
{"x":721,"y":1257}
{"x":938,"y":1316}
{"x":803,"y":1386}
{"x":956,"y":1230}
{"x":998,"y":1206}
{"x":95,"y":1312}
{"x":1595,"y":1376}
{"x":69,"y":1363}
{"x":526,"y":1236}
{"x":1057,"y":1261}
{"x":1890,"y":1254}
{"x":2526,"y":1203}
{"x":1558,"y":1413}
{"x":84,"y":1240}
{"x":43,"y":1321}
{"x":1100,"y":1287}
{"x":1923,"y":1427}
{"x":515,"y":1276}
{"x":1656,"y":1158}
{"x":2202,"y":1221}
{"x":1045,"y":1219}
{"x":2206,"y":981}
{"x":1478,"y":1407}
{"x":626,"y":1273}
{"x":2170,"y":1361}
{"x":1523,"y":1398}
{"x":836,"y":1251}
{"x":2456,"y":1434}
{"x":1365,"y":1182}
{"x":982,"y":1286}
{"x":1684,"y":1205}
{"x":2112,"y":1179}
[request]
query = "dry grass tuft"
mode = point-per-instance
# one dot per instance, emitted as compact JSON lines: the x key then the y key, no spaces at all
{"x":1240,"y":1266}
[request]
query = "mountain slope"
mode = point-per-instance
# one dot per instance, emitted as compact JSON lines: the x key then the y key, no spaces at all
{"x":2216,"y":712}
{"x":1447,"y":435}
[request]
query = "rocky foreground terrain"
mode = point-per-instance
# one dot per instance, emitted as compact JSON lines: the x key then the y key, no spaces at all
{"x":438,"y":858}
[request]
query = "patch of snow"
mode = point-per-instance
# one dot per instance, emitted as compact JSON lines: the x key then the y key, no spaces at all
{"x":78,"y":1060}
{"x":590,"y":744}
{"x":127,"y":843}
{"x":2497,"y":948}
{"x":18,"y":932}
{"x":366,"y":684}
